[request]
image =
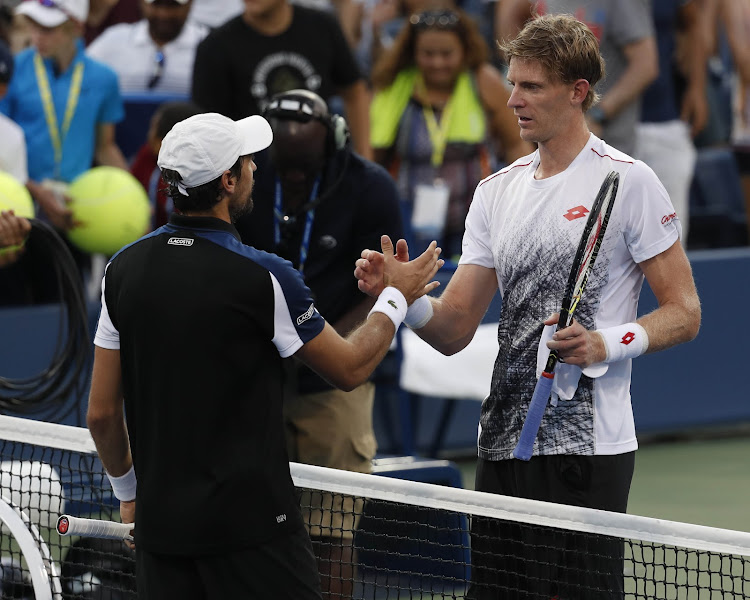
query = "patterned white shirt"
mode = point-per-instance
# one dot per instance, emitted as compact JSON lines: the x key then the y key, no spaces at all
{"x":528,"y":231}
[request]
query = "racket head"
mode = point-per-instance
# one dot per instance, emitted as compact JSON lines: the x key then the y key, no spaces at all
{"x":588,"y":247}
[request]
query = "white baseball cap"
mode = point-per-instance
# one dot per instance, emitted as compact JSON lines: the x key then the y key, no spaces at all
{"x":203,"y":146}
{"x":51,"y":13}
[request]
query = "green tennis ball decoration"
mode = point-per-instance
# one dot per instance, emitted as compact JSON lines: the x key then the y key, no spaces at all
{"x":14,"y":196}
{"x":112,"y":207}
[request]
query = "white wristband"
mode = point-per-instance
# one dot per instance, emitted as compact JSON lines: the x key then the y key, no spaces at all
{"x":419,"y":313}
{"x":624,"y":341}
{"x":124,"y":486}
{"x":392,"y":304}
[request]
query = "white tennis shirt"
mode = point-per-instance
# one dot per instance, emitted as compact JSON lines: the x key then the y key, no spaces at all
{"x":528,"y":231}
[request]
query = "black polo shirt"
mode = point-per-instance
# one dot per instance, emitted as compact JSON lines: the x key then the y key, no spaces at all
{"x":202,"y":322}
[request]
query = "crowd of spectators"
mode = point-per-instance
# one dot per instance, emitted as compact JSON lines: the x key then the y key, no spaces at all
{"x":420,"y":82}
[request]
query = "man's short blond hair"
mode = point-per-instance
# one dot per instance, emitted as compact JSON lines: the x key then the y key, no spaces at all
{"x":564,"y":46}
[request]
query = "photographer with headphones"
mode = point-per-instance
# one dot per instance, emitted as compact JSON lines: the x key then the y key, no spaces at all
{"x":317,"y":204}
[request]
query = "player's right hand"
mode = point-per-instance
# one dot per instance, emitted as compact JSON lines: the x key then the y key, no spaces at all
{"x":412,"y":278}
{"x":370,"y":267}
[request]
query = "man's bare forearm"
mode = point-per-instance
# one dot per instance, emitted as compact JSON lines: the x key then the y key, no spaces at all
{"x":671,"y":324}
{"x":110,"y":435}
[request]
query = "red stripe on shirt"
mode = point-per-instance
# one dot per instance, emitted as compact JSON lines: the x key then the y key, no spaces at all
{"x":508,"y":170}
{"x":630,"y":162}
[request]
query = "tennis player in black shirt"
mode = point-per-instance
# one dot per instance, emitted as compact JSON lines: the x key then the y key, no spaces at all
{"x":189,"y":347}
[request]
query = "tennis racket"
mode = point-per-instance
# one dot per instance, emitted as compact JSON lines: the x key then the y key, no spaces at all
{"x":108,"y":530}
{"x":583,"y":263}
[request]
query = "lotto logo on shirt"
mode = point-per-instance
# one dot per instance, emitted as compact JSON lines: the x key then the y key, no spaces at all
{"x":576,"y":213}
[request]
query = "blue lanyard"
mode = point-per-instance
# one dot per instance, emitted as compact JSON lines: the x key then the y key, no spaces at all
{"x":280,"y":217}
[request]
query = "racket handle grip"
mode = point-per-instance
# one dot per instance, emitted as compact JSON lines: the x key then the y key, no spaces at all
{"x":95,"y":528}
{"x":525,"y":447}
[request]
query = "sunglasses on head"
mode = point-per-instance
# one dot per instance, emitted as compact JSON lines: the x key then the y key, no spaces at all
{"x":440,"y":19}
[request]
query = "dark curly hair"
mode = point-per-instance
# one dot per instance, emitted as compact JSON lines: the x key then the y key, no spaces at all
{"x":202,"y":197}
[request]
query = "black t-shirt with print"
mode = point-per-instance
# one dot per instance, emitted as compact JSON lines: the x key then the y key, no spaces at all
{"x":237,"y":69}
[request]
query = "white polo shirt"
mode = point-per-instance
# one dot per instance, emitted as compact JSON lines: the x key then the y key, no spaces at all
{"x":130,"y":51}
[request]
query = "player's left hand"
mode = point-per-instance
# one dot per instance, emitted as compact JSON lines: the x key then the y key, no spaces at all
{"x":576,"y":345}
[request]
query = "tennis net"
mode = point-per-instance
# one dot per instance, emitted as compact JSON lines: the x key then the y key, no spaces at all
{"x":412,"y":540}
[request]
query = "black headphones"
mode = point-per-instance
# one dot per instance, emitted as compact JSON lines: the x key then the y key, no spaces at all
{"x":304,"y":105}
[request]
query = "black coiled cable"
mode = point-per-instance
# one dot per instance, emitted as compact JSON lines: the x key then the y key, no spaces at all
{"x":55,"y":392}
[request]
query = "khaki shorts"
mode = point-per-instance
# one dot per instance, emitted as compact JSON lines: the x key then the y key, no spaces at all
{"x":332,"y":429}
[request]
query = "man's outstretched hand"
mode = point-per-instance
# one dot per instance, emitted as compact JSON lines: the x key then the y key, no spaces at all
{"x":378,"y":270}
{"x":369,"y":269}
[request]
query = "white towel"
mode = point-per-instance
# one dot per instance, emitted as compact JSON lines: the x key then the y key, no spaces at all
{"x":566,"y":376}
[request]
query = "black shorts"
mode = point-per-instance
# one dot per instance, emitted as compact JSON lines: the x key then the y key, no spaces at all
{"x":519,"y":561}
{"x":284,"y":568}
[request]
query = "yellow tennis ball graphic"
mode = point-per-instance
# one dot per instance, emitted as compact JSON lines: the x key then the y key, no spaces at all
{"x":111,"y":206}
{"x":14,"y":196}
